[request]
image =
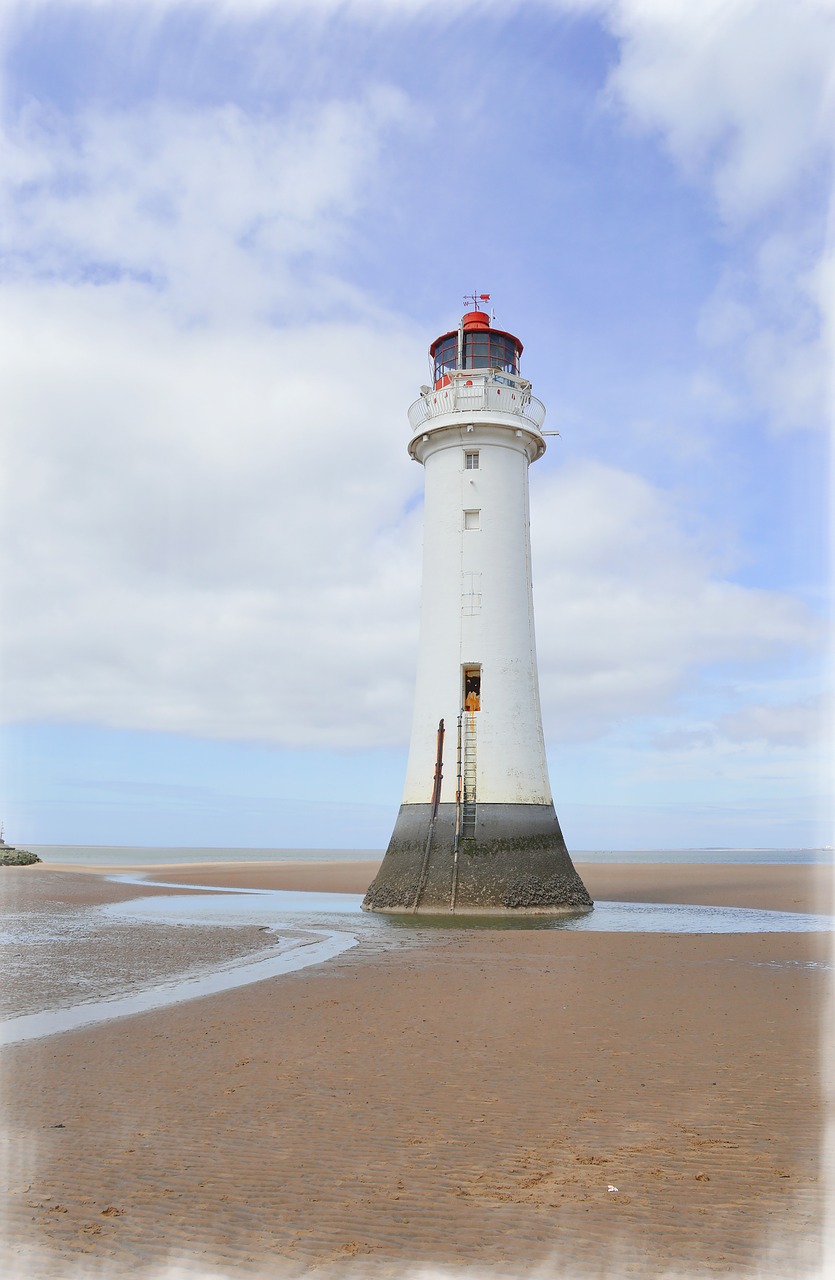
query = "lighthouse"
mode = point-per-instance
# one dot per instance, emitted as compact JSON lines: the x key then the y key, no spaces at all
{"x":477,"y":832}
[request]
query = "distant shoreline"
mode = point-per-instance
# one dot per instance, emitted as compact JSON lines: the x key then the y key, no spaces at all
{"x":124,"y":856}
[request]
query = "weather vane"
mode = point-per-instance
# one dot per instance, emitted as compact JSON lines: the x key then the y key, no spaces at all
{"x":475,"y":299}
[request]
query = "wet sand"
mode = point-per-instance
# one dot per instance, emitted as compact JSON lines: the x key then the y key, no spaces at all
{"x":457,"y":1099}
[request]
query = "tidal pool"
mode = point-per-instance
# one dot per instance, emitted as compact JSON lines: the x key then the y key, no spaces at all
{"x":210,"y":905}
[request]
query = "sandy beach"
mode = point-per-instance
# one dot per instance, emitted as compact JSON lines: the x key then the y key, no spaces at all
{"x":508,"y":1101}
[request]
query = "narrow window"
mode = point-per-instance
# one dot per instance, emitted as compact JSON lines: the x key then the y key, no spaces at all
{"x":472,"y":519}
{"x":471,"y":461}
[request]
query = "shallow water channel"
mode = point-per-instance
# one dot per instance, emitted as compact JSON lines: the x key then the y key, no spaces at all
{"x":323,"y":925}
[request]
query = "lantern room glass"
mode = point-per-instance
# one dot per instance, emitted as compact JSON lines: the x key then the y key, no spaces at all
{"x":483,"y":349}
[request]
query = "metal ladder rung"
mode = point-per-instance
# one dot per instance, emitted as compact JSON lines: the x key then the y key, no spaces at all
{"x":469,"y":777}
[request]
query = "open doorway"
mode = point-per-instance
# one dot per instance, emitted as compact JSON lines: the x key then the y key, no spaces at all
{"x":472,"y":688}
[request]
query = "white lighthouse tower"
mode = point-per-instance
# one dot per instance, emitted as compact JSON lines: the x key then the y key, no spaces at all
{"x":477,"y":831}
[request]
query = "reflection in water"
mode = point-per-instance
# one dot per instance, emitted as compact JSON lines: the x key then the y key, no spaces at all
{"x":266,"y":906}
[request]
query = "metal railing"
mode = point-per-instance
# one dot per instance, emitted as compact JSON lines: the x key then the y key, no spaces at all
{"x":458,"y":397}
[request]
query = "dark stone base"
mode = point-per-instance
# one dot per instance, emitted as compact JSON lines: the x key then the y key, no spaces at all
{"x":11,"y":857}
{"x":517,"y":864}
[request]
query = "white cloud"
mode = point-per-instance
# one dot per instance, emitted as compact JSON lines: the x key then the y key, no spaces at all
{"x":741,"y":89}
{"x":770,"y":326}
{"x":742,"y":94}
{"x":210,"y":541}
{"x":209,"y":534}
{"x":629,"y":608}
{"x":207,"y":507}
{"x":206,"y":440}
{"x":794,"y":724}
{"x":214,"y":209}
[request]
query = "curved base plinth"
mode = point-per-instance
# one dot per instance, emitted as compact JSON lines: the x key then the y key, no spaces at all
{"x":515,"y":864}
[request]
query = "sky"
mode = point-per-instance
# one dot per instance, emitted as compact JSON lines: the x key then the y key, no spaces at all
{"x":228,"y":234}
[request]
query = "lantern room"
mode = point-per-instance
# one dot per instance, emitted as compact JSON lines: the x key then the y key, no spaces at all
{"x":474,"y":345}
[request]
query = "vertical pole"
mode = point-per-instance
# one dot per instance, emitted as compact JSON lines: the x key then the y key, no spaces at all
{"x":436,"y":800}
{"x":439,"y":773}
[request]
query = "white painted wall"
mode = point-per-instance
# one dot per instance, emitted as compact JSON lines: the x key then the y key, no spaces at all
{"x":511,"y":750}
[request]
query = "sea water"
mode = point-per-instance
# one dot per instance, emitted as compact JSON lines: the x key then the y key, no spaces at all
{"x":310,"y":914}
{"x":155,"y":856}
{"x":334,"y":922}
{"x":220,"y":905}
{"x":121,"y":855}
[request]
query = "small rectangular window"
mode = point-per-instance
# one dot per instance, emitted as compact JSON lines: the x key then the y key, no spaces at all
{"x":472,"y":519}
{"x":471,"y":461}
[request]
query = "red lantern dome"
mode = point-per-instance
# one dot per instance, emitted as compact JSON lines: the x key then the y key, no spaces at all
{"x":475,"y":344}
